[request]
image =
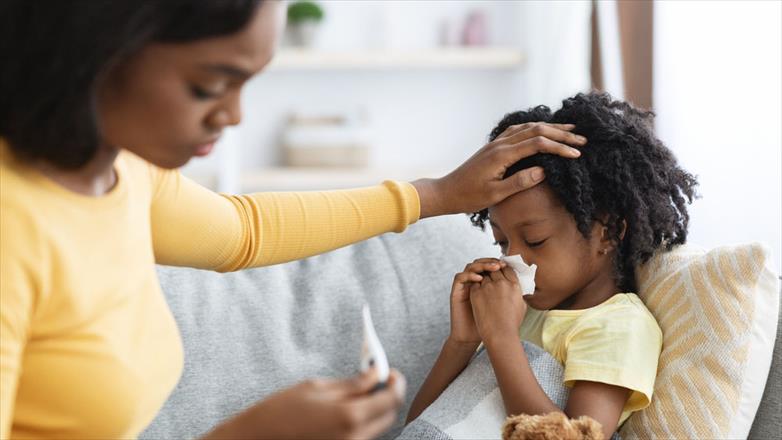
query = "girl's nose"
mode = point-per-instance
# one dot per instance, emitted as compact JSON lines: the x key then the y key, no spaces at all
{"x":517,"y":250}
{"x":513,"y":249}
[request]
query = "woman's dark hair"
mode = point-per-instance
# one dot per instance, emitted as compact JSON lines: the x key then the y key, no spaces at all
{"x":625,"y":175}
{"x":54,"y":53}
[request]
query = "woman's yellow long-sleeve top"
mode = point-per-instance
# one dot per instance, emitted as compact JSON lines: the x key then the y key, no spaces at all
{"x":88,"y":346}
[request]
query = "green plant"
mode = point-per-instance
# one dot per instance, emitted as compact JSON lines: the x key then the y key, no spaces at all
{"x":304,"y":10}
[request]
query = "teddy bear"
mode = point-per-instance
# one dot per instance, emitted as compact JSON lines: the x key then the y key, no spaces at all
{"x":551,"y":426}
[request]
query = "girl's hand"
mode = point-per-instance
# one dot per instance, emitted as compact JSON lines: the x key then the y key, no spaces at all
{"x":321,"y":408}
{"x":498,"y":305}
{"x":478,"y":182}
{"x":463,"y":329}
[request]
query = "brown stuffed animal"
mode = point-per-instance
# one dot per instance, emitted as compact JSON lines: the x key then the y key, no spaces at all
{"x":551,"y":426}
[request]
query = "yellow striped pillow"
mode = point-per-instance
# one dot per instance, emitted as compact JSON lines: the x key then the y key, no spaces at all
{"x":718,"y":314}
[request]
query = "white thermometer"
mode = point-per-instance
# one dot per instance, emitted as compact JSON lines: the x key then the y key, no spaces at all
{"x":372,"y":353}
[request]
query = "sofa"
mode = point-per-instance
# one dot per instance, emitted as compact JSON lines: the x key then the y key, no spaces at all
{"x":250,"y":333}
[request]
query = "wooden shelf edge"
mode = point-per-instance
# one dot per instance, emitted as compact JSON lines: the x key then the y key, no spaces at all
{"x":464,"y":58}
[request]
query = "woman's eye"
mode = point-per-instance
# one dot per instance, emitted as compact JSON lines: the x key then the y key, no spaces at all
{"x":535,"y":243}
{"x":200,"y":93}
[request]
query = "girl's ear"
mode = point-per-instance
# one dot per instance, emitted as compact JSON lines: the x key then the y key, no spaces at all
{"x":608,"y":240}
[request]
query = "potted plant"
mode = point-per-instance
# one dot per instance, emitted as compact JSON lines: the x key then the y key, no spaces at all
{"x":304,"y":19}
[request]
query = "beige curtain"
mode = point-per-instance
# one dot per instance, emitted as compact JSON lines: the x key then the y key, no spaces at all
{"x":635,"y":19}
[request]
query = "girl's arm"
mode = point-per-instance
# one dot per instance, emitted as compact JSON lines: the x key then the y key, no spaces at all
{"x":463,"y":340}
{"x":452,"y":360}
{"x":520,"y":390}
{"x":498,"y":310}
{"x":522,"y":394}
{"x":601,"y":401}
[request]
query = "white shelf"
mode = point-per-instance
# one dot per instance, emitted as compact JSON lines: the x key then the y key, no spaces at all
{"x":456,"y":58}
{"x":317,"y":179}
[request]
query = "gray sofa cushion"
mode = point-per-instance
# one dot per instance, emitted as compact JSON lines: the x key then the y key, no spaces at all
{"x":768,"y":420}
{"x":250,"y":333}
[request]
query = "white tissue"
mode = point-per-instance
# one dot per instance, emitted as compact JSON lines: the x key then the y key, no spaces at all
{"x":524,"y":272}
{"x":372,"y":353}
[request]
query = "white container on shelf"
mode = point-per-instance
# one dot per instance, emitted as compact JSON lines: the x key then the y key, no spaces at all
{"x":325,"y":141}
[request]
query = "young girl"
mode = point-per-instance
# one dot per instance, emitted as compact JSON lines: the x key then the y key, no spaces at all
{"x":587,"y":227}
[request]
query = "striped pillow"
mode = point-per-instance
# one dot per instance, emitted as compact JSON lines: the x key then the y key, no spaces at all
{"x":718,"y":314}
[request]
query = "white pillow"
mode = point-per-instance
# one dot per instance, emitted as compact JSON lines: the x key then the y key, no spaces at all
{"x":718,"y":314}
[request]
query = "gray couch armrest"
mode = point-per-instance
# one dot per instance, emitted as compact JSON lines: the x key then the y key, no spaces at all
{"x":768,"y":420}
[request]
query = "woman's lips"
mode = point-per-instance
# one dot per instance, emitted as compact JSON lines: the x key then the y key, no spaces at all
{"x":205,"y":149}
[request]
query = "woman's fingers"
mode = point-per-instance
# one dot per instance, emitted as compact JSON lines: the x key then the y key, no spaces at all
{"x":370,"y":406}
{"x":375,"y":427}
{"x":512,"y":153}
{"x":514,"y":129}
{"x":357,"y":385}
{"x":547,"y":131}
{"x":524,"y":179}
{"x":372,"y":414}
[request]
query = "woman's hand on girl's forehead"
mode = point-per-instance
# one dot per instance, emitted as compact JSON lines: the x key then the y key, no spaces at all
{"x":478,"y":182}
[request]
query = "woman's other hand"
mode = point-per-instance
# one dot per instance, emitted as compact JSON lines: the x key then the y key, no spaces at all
{"x":321,"y":408}
{"x":478,"y":182}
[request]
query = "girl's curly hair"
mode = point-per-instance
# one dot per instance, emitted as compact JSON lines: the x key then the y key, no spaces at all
{"x":625,"y":175}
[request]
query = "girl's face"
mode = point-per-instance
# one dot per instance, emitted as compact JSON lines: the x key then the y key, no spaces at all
{"x":534,"y":224}
{"x":170,"y":102}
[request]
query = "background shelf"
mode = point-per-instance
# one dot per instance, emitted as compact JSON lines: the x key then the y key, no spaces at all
{"x":457,"y":57}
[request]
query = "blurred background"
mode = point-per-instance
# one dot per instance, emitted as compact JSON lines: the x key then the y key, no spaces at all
{"x":360,"y":92}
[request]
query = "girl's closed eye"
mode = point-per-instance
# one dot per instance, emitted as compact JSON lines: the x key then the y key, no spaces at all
{"x":534,"y":244}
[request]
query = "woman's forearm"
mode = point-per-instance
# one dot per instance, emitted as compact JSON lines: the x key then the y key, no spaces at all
{"x":520,"y":390}
{"x":194,"y":227}
{"x":452,"y":360}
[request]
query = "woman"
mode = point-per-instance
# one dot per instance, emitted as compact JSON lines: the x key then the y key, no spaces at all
{"x":101,"y":102}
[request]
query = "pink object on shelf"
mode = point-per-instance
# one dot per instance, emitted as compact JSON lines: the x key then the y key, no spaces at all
{"x":474,"y":31}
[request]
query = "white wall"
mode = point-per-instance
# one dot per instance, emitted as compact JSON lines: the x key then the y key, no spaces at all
{"x":719,"y":108}
{"x":421,"y":119}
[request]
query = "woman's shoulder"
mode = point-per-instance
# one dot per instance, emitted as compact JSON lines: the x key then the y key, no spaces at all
{"x":142,"y":173}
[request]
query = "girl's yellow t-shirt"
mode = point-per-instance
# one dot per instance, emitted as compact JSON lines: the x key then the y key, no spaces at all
{"x":617,"y":342}
{"x":88,"y":346}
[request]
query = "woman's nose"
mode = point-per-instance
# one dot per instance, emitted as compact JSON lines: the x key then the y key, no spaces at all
{"x":227,"y":115}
